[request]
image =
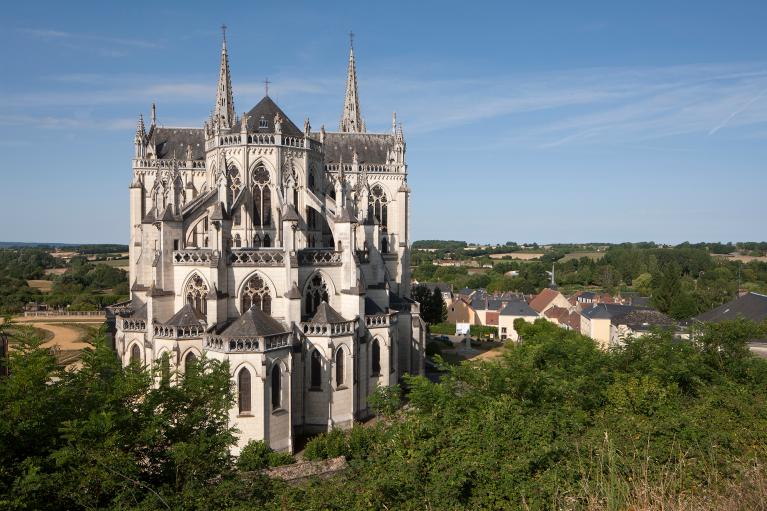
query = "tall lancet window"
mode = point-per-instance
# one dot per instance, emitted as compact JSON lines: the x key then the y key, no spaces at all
{"x":262,"y":198}
{"x":256,"y":293}
{"x":339,"y":367}
{"x":316,"y":293}
{"x":197,"y":294}
{"x":316,"y":370}
{"x":378,"y":206}
{"x":276,"y":387}
{"x":243,"y":391}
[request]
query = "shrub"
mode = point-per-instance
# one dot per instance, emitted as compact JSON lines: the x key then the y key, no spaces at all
{"x":433,"y":348}
{"x":385,"y":400}
{"x":257,"y":455}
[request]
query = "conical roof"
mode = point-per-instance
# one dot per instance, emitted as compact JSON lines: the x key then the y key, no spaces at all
{"x":326,"y":314}
{"x":255,"y":323}
{"x":187,"y":316}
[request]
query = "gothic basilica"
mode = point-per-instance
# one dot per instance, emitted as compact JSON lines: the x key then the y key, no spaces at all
{"x":284,"y":251}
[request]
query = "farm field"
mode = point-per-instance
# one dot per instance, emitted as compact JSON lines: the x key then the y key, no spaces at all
{"x":45,"y":286}
{"x":522,"y":256}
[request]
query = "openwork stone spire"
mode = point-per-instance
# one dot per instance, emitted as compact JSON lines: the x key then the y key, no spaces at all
{"x":351,"y":119}
{"x":223,"y":114}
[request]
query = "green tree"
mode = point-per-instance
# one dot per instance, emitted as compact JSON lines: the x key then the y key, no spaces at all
{"x":667,"y":287}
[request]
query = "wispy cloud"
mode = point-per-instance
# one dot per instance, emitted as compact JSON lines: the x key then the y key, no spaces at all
{"x":109,"y":46}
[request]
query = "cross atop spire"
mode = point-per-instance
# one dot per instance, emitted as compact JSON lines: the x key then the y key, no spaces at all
{"x":266,"y":86}
{"x":351,"y":119}
{"x":223,"y":113}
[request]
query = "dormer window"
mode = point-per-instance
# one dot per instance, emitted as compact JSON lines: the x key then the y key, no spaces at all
{"x":263,"y":123}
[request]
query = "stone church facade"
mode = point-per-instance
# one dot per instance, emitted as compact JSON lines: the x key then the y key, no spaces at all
{"x":281,"y":250}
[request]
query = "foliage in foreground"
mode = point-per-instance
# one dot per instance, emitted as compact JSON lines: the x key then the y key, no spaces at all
{"x":554,"y":423}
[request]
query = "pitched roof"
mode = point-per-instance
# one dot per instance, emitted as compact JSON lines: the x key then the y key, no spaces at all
{"x":371,"y":307}
{"x":442,"y":286}
{"x":573,"y":320}
{"x":606,"y":311}
{"x":290,"y":214}
{"x":327,"y":314}
{"x":255,"y":323}
{"x":186,"y":316}
{"x":643,"y":319}
{"x":543,"y":299}
{"x":558,"y":313}
{"x":268,"y":109}
{"x":518,"y":308}
{"x":751,"y":306}
{"x":370,"y":147}
{"x":174,"y":142}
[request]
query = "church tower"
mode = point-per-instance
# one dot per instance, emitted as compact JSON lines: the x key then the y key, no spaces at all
{"x":223,"y":113}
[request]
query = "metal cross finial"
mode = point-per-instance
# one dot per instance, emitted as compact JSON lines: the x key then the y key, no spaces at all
{"x":266,"y":86}
{"x":351,"y":39}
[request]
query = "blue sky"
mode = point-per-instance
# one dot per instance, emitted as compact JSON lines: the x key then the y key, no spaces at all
{"x":526,"y":121}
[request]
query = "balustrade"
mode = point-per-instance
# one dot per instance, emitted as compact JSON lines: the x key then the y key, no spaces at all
{"x":257,"y":257}
{"x":175,"y":332}
{"x":194,"y":256}
{"x":319,"y":257}
{"x":245,"y":344}
{"x":329,"y":329}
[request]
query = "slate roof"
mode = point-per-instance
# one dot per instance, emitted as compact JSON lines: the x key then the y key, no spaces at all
{"x":751,"y":306}
{"x":187,"y":316}
{"x":255,"y":323}
{"x":607,"y":311}
{"x":644,"y":319}
{"x":518,"y":308}
{"x":326,"y":314}
{"x":370,"y":147}
{"x":170,"y":141}
{"x":268,"y":109}
{"x":290,"y":214}
{"x":371,"y":307}
{"x":442,"y":286}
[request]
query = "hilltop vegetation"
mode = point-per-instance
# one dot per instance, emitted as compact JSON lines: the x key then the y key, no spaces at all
{"x":78,"y":283}
{"x":682,"y":281}
{"x":553,"y":423}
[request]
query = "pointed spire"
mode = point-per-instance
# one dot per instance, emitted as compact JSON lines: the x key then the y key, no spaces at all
{"x":394,"y":122}
{"x":351,"y":119}
{"x":154,"y":115}
{"x":140,"y":130}
{"x":223,"y":114}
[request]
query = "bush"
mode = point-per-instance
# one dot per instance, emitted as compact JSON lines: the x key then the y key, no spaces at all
{"x":442,"y":328}
{"x":257,"y":455}
{"x":385,"y":400}
{"x":326,"y":445}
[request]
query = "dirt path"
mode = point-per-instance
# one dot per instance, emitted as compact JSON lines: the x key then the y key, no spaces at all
{"x":65,"y":336}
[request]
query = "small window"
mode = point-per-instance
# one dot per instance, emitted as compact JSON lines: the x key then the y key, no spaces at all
{"x":135,"y":354}
{"x":262,"y":123}
{"x":175,"y":244}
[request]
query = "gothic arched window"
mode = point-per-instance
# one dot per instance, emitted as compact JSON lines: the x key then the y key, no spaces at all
{"x":339,"y":367}
{"x":316,"y":370}
{"x":384,"y":245}
{"x":235,"y":183}
{"x":276,"y":387}
{"x":267,"y":240}
{"x":256,"y":294}
{"x":311,"y":179}
{"x":262,"y":197}
{"x":243,"y":391}
{"x":316,"y":293}
{"x":256,"y":241}
{"x":237,"y":241}
{"x":189,"y":362}
{"x":375,"y":359}
{"x":196,"y":294}
{"x":135,"y":354}
{"x":378,"y":206}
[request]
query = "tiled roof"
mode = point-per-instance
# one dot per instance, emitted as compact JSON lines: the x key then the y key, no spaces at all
{"x":518,"y":308}
{"x":186,"y":316}
{"x":268,"y":109}
{"x":543,"y":299}
{"x":174,"y":142}
{"x":255,"y":323}
{"x":370,"y":147}
{"x":326,"y":314}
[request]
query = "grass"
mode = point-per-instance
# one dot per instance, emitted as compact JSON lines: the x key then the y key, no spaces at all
{"x":594,"y":256}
